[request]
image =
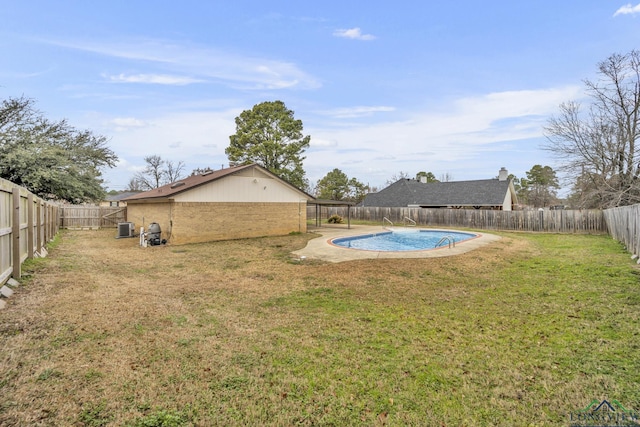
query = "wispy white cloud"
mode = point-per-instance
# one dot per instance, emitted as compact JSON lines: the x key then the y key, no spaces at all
{"x":202,"y":63}
{"x":469,"y":121}
{"x":197,"y":138}
{"x":628,"y":9}
{"x":28,"y":75}
{"x":126,"y":170}
{"x":323,"y":143}
{"x":125,"y":123}
{"x":358,"y":111}
{"x":353,"y":33}
{"x":448,"y":139}
{"x":161,"y":79}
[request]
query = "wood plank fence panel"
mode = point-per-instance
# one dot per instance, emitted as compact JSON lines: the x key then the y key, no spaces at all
{"x":91,"y":217}
{"x":6,"y":266}
{"x":550,"y":221}
{"x":23,"y":215}
{"x":27,"y":223}
{"x":624,"y":226}
{"x":111,"y":216}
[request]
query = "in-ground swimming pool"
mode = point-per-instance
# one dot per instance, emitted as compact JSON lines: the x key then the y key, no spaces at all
{"x":403,"y":240}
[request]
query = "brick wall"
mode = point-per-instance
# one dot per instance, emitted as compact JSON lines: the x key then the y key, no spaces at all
{"x":194,"y":222}
{"x":143,"y":214}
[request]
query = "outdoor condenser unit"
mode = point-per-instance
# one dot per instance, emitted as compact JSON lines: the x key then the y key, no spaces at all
{"x":125,"y":229}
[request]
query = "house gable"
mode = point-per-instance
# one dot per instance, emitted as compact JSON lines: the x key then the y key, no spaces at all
{"x":251,"y":186}
{"x":239,"y":202}
{"x":246,"y":183}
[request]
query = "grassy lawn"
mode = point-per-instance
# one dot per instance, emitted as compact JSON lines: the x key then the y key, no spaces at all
{"x":521,"y":332}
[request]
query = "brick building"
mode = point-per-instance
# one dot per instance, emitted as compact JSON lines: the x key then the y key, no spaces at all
{"x":233,"y":203}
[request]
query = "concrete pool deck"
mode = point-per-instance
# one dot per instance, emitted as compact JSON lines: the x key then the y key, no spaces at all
{"x":320,"y":248}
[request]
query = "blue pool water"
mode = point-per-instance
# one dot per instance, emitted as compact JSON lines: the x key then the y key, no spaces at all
{"x":403,"y":240}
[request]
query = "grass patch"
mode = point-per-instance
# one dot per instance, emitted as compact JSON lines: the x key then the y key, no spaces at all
{"x":160,"y":419}
{"x":49,"y":374}
{"x":95,"y":415}
{"x":520,"y":332}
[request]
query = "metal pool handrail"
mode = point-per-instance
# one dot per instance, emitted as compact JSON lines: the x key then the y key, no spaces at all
{"x":451,"y":240}
{"x":385,"y":219}
{"x":411,"y":222}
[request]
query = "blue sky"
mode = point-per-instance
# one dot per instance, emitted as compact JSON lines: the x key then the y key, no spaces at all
{"x":460,"y":88}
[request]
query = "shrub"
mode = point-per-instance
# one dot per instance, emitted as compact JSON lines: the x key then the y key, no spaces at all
{"x":335,"y":219}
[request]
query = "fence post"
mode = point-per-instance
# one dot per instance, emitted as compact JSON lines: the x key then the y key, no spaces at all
{"x":46,"y":230}
{"x":40,"y":226}
{"x":15,"y":230}
{"x":30,"y":229}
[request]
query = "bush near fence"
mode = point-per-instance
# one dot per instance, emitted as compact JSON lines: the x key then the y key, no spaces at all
{"x":27,"y":224}
{"x":550,"y":221}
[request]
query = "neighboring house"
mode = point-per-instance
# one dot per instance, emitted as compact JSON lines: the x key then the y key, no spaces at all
{"x":233,"y":203}
{"x":116,"y":200}
{"x":497,"y":194}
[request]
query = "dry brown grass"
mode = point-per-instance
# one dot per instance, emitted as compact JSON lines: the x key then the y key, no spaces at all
{"x":236,"y":333}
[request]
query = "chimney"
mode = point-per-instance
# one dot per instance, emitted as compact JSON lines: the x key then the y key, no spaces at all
{"x":503,"y":174}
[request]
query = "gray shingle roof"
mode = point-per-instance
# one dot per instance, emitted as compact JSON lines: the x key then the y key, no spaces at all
{"x":120,"y":196}
{"x":405,"y":192}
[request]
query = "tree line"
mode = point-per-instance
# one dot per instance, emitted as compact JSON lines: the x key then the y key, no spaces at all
{"x":594,"y":145}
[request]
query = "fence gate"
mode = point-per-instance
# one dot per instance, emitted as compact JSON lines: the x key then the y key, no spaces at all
{"x":113,"y":218}
{"x":91,"y":217}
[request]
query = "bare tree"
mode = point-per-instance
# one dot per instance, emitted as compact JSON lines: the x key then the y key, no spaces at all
{"x":174,"y":171}
{"x":151,"y":176}
{"x":598,"y":148}
{"x":397,"y":177}
{"x":158,"y":172}
{"x":134,"y":185}
{"x":446,"y":177}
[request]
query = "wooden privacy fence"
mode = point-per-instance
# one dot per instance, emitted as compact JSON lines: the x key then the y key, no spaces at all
{"x":27,"y":223}
{"x":550,"y":221}
{"x":624,"y":225}
{"x":91,"y":217}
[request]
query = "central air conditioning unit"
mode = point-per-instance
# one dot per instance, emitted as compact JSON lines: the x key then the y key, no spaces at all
{"x":125,"y":229}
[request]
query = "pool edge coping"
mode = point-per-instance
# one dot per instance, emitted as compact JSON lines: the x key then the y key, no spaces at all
{"x":321,"y":248}
{"x":474,"y":235}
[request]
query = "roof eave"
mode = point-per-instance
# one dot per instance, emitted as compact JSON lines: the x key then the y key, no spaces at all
{"x":150,"y":200}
